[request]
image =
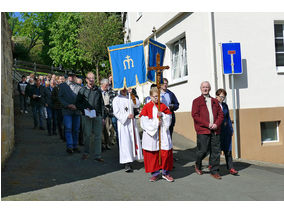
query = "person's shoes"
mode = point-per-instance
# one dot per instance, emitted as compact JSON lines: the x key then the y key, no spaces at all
{"x":128,"y":168}
{"x":76,"y":150}
{"x":69,"y":150}
{"x":154,"y":178}
{"x":26,"y":111}
{"x":99,"y":160}
{"x":108,"y":147}
{"x":168,"y":178}
{"x":233,"y":171}
{"x":41,"y":128}
{"x":22,"y":111}
{"x":84,"y":156}
{"x":198,"y":171}
{"x":216,"y":176}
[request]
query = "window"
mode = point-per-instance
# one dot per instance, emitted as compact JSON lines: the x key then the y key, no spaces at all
{"x":179,"y":60}
{"x":269,"y":131}
{"x":279,"y":46}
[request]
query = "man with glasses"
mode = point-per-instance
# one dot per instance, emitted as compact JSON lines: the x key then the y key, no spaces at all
{"x":208,"y":117}
{"x":91,"y":103}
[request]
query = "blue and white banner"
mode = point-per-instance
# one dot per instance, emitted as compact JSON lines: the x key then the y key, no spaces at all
{"x":154,"y":48}
{"x":127,"y":62}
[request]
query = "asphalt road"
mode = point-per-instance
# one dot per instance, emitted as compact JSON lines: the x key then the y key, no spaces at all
{"x":40,"y":169}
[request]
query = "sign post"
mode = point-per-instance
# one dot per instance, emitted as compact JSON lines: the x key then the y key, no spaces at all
{"x":232,"y":64}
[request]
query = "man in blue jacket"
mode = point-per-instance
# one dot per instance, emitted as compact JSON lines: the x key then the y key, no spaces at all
{"x":71,"y":115}
{"x":171,"y":102}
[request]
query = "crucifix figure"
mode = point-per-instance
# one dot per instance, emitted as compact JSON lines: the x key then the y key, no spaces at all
{"x":159,"y":69}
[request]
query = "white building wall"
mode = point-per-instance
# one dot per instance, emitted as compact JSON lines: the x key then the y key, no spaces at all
{"x":260,"y":85}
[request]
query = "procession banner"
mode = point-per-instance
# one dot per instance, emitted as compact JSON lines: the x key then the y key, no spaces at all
{"x":154,"y":48}
{"x":127,"y":62}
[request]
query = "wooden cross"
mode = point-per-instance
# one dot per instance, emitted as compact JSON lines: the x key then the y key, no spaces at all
{"x":159,"y":69}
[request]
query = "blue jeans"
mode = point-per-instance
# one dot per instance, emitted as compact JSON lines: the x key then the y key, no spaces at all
{"x":72,"y":125}
{"x":38,"y":115}
{"x":51,"y":115}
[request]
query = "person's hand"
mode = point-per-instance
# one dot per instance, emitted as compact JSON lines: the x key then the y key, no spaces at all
{"x":104,"y":122}
{"x":159,"y":114}
{"x":160,"y":122}
{"x":23,"y":93}
{"x":214,"y":126}
{"x":129,"y":90}
{"x":46,"y":105}
{"x":34,"y":96}
{"x":72,"y":106}
{"x":210,"y":126}
{"x":130,"y":116}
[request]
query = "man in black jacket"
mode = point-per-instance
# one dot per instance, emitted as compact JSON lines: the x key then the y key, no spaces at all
{"x":51,"y":113}
{"x":21,"y":88}
{"x":90,"y":101}
{"x":37,"y":103}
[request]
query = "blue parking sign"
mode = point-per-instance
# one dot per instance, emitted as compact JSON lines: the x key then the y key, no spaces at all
{"x":232,"y":60}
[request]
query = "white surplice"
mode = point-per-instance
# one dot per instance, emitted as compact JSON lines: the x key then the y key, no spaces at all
{"x":150,"y":139}
{"x":121,"y":110}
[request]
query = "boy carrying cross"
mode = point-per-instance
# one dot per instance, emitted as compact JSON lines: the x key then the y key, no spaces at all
{"x":150,"y":123}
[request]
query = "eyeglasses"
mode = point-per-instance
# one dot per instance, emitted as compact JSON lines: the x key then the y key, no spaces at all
{"x":223,"y":97}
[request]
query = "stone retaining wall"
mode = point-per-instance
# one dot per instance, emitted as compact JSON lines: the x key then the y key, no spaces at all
{"x":7,"y":101}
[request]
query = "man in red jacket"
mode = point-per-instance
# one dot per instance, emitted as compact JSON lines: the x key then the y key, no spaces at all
{"x":208,"y":116}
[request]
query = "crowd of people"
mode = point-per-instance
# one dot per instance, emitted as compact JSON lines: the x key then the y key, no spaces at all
{"x":77,"y":108}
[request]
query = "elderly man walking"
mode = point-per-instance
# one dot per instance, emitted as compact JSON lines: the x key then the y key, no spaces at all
{"x":208,"y":116}
{"x":71,"y":115}
{"x":91,"y":103}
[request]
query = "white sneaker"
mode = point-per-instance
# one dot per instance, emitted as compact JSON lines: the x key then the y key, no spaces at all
{"x":26,"y":111}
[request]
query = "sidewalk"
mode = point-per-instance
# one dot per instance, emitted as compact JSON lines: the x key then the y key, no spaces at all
{"x":40,"y":169}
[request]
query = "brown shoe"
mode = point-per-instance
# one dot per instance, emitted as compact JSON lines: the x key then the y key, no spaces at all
{"x":84,"y":156}
{"x":216,"y":176}
{"x":99,"y":159}
{"x":198,"y":171}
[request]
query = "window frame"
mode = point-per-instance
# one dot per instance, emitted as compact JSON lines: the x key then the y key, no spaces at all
{"x":181,"y":56}
{"x":279,"y":69}
{"x":277,"y":133}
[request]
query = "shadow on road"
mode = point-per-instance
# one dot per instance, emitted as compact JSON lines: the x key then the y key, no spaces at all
{"x":40,"y":161}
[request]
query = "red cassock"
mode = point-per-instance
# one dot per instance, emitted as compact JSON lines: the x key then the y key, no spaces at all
{"x":150,"y":139}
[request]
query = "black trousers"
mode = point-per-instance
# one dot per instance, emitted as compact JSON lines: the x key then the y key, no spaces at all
{"x":229,"y":159}
{"x":211,"y":143}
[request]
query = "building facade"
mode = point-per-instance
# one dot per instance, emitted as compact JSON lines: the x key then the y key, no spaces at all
{"x":193,"y":53}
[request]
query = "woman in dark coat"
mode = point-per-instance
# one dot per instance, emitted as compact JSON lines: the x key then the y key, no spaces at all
{"x":226,"y":131}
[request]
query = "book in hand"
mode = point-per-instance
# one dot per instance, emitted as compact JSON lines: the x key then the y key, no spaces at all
{"x":90,"y":113}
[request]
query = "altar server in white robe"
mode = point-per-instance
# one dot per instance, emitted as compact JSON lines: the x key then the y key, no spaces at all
{"x":150,"y":141}
{"x":130,"y":148}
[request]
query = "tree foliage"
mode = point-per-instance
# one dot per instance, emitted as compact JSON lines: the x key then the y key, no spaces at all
{"x":65,"y":50}
{"x":97,"y":32}
{"x":77,"y":41}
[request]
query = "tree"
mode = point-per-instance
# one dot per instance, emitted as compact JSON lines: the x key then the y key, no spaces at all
{"x":64,"y":41}
{"x":97,"y":32}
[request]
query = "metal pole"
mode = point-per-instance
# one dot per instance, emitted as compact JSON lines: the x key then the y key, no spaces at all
{"x":235,"y":117}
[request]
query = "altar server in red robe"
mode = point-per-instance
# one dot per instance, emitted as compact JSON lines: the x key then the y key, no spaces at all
{"x":150,"y":141}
